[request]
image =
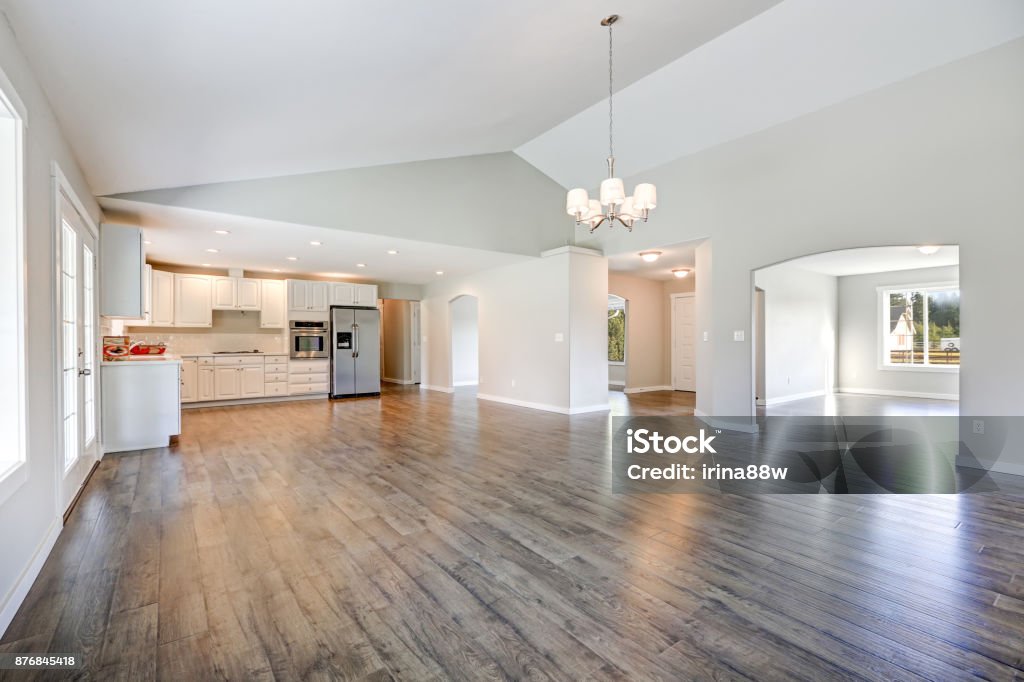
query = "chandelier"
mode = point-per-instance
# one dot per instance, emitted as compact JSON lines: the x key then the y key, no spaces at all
{"x":625,"y":209}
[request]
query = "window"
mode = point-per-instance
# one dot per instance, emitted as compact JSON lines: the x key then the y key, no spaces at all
{"x":616,"y":329}
{"x":13,"y":469}
{"x":920,"y":326}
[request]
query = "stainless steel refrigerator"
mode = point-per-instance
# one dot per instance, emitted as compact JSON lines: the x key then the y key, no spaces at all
{"x":355,"y":351}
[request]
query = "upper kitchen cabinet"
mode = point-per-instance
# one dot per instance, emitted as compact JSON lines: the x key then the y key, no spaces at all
{"x":161,"y":296}
{"x":344,"y":293}
{"x":235,"y":293}
{"x":272,"y":310}
{"x":307,"y":296}
{"x":193,"y":301}
{"x":122,"y":268}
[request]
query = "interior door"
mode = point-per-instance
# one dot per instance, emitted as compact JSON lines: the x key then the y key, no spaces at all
{"x":684,"y":356}
{"x":415,"y":341}
{"x":78,"y":353}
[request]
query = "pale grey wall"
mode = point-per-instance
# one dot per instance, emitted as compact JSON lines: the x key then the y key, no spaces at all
{"x":492,"y":201}
{"x":859,"y":336}
{"x":938,"y":158}
{"x":800,"y":326}
{"x":28,"y":515}
{"x":465,"y":333}
{"x":396,"y":340}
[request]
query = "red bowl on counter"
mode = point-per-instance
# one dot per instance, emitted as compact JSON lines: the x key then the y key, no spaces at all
{"x":142,"y":349}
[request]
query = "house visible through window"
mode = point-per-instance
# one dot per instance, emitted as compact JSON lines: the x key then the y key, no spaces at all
{"x":12,"y":403}
{"x":921,"y":326}
{"x":616,"y":328}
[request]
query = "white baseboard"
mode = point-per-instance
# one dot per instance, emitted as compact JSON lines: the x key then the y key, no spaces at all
{"x":252,"y":401}
{"x":617,"y":384}
{"x":543,"y":406}
{"x":465,"y":383}
{"x":646,"y":389}
{"x":403,"y":382}
{"x":794,"y":396}
{"x":20,"y":590}
{"x":442,"y":389}
{"x":725,"y":425}
{"x":899,"y":394}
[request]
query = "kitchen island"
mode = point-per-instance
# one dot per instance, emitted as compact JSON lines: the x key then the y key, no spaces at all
{"x":141,"y":404}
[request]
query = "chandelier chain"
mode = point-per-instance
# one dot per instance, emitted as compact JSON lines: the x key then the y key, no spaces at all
{"x":611,"y":149}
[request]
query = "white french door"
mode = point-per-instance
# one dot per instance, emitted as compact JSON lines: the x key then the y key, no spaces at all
{"x":78,"y":352}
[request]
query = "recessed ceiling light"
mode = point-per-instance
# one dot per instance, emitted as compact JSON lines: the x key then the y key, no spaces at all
{"x":392,"y":252}
{"x":213,"y":250}
{"x":147,"y":242}
{"x":206,"y":265}
{"x":360,"y":265}
{"x":439,"y":272}
{"x":650,"y":256}
{"x":291,"y":258}
{"x":221,"y":232}
{"x":316,"y":243}
{"x":277,"y":269}
{"x":928,"y":250}
{"x":681,"y":272}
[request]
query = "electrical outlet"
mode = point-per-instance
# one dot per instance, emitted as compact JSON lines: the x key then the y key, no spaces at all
{"x":559,"y":337}
{"x":979,"y":426}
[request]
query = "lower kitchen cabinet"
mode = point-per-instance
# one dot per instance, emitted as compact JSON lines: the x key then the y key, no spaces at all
{"x":251,"y":384}
{"x":227,"y":383}
{"x":205,"y":387}
{"x":189,"y":381}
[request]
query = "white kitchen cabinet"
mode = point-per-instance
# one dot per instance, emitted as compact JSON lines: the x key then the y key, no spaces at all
{"x":235,"y":293}
{"x":224,"y":289}
{"x":122,"y":265}
{"x":308,"y":296}
{"x":189,"y":380}
{"x":147,"y":298}
{"x":342,"y":293}
{"x":251,"y":383}
{"x":272,"y":307}
{"x":141,"y":404}
{"x":161,"y":287}
{"x":227,"y":383}
{"x":193,"y":301}
{"x":205,"y":385}
{"x":365,"y":295}
{"x":247,"y":294}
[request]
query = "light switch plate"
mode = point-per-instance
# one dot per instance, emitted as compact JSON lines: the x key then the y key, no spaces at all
{"x":559,"y":337}
{"x":705,"y":336}
{"x":738,"y":335}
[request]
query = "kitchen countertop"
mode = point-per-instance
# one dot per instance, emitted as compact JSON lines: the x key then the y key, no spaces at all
{"x":165,"y":359}
{"x":211,"y":354}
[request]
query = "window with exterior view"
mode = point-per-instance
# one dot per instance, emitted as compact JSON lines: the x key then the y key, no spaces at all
{"x":616,"y":328}
{"x":921,"y":326}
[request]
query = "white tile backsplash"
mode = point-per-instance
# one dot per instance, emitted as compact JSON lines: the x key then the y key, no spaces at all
{"x":181,"y":342}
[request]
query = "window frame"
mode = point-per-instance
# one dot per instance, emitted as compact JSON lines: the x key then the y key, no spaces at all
{"x":625,"y":332}
{"x":883,"y":326}
{"x":15,"y":474}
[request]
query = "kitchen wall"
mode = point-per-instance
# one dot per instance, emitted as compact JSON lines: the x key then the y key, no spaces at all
{"x":800,"y":331}
{"x":859,"y":338}
{"x":29,"y":519}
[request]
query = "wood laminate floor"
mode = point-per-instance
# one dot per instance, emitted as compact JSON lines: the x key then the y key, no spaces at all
{"x":427,"y":536}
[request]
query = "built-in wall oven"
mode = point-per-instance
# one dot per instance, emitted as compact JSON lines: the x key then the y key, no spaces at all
{"x":309,"y":339}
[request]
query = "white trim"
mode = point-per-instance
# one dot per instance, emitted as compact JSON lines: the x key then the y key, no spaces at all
{"x":612,"y":363}
{"x":545,"y":407}
{"x":255,"y":401}
{"x":647,"y":389}
{"x":794,"y":396}
{"x":465,"y":383}
{"x":442,"y":389}
{"x":23,"y":584}
{"x":579,"y":250}
{"x":617,"y":384}
{"x":403,"y":382}
{"x":998,"y":466}
{"x":672,"y":340}
{"x":881,"y":392}
{"x":18,"y":473}
{"x":726,"y":425}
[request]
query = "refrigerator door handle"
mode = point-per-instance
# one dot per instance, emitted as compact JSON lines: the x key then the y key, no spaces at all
{"x":355,"y":340}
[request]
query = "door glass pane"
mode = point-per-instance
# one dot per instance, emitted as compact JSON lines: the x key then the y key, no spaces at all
{"x":89,"y":344}
{"x":69,"y":324}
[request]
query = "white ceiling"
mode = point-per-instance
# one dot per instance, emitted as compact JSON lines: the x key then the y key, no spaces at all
{"x":672,"y":256}
{"x":166,"y":94}
{"x":797,"y":57}
{"x":875,"y":259}
{"x":181,"y":236}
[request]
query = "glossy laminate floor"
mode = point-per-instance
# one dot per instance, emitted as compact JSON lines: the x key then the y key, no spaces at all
{"x":428,"y":536}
